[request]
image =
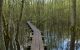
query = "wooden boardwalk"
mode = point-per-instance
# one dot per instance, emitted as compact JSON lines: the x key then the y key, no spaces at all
{"x":37,"y":43}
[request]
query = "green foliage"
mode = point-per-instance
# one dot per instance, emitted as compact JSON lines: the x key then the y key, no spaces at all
{"x":48,"y":15}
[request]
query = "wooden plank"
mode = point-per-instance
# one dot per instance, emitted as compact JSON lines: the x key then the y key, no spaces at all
{"x":37,"y":43}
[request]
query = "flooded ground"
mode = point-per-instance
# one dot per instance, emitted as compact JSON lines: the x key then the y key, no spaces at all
{"x":65,"y":45}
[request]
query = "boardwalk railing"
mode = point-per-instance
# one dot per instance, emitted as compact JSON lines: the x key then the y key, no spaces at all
{"x":37,"y":43}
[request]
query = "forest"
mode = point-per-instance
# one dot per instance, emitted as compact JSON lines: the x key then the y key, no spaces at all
{"x":57,"y":20}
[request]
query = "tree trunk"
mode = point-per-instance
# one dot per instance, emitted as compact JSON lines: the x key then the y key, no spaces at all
{"x":18,"y":26}
{"x":2,"y":47}
{"x":73,"y":25}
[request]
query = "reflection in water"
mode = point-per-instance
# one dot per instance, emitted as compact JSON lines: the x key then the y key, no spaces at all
{"x":66,"y":45}
{"x":55,"y":42}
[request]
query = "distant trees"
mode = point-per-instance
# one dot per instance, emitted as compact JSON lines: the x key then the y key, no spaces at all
{"x":52,"y":17}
